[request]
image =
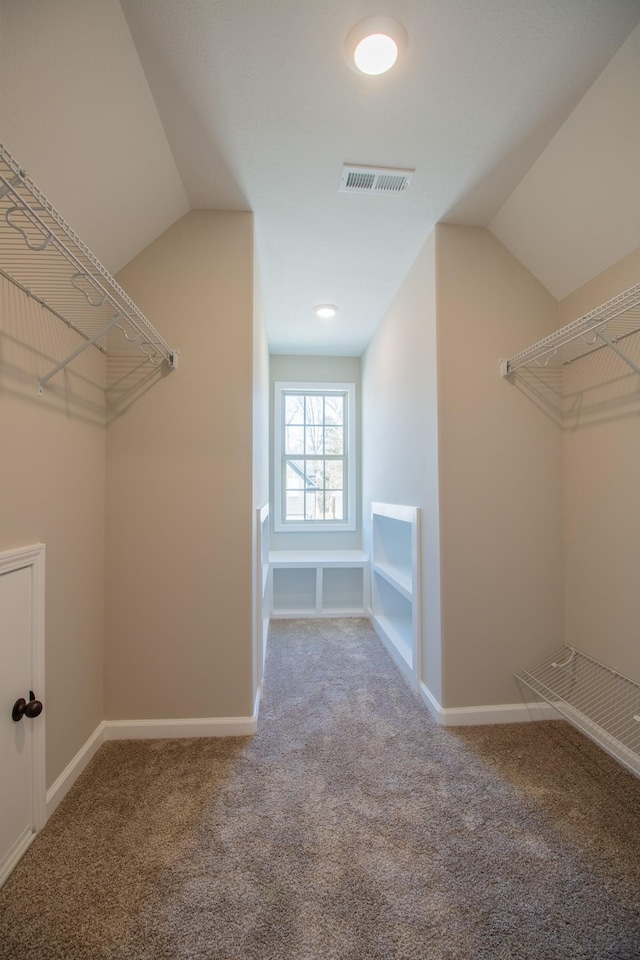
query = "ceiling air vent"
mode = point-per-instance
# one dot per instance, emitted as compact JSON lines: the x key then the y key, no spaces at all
{"x":357,"y":179}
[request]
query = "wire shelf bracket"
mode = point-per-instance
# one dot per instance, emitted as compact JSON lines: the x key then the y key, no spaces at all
{"x":600,"y":702}
{"x":606,"y":326}
{"x":42,"y":256}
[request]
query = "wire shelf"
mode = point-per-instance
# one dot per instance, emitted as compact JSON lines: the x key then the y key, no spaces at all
{"x":45,"y":258}
{"x":606,"y":326}
{"x":599,"y":701}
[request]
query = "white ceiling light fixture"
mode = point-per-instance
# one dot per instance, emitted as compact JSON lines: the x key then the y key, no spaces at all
{"x":374,"y":45}
{"x":326,"y":311}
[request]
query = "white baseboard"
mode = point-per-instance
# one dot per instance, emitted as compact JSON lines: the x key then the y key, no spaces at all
{"x":494,"y":713}
{"x":17,"y":851}
{"x":59,"y":789}
{"x":146,"y":730}
{"x":171,"y":729}
{"x":430,"y":701}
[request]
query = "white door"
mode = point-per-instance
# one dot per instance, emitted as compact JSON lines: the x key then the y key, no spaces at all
{"x":21,"y":721}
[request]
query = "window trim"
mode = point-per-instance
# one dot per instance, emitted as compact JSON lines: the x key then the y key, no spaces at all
{"x":280,"y":525}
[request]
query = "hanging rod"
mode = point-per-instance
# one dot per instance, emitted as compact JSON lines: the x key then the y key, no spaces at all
{"x":605,"y":326}
{"x":45,"y":258}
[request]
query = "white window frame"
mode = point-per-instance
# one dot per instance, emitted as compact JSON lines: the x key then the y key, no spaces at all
{"x":280,"y":525}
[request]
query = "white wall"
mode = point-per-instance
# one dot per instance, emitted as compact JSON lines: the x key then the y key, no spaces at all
{"x":306,"y":369}
{"x":602,"y":480}
{"x":400,"y":432}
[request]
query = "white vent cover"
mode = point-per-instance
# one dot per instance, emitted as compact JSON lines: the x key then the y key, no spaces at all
{"x":358,"y":179}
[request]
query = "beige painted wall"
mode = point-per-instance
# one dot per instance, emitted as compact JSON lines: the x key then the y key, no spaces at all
{"x":400,"y":432}
{"x":319,"y":370}
{"x":577,"y":209}
{"x":179,"y":622}
{"x":500,"y":474}
{"x":52,"y":463}
{"x":602,"y":480}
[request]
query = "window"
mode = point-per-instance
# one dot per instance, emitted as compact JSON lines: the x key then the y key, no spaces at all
{"x":314,"y":456}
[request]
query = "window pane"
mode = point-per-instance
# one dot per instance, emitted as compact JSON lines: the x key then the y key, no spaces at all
{"x":335,"y":505}
{"x":334,"y":409}
{"x":313,"y":505}
{"x":314,"y":409}
{"x":294,"y":439}
{"x":313,"y":467}
{"x":293,"y":409}
{"x":294,"y":505}
{"x":313,"y":440}
{"x":314,"y":471}
{"x":334,"y":440}
{"x":295,"y":474}
{"x":334,"y":471}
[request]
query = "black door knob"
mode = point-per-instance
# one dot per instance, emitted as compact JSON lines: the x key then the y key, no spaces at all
{"x":22,"y":709}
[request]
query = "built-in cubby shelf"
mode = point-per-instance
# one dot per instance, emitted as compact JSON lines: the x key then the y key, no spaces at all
{"x":263,"y":577}
{"x":318,"y":583}
{"x":400,"y":580}
{"x":395,"y":594}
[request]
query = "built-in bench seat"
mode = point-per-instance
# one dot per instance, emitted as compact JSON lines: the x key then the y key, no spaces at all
{"x":318,"y":583}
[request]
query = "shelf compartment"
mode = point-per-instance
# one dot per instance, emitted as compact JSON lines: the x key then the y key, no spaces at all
{"x":343,"y":589}
{"x":43,"y":257}
{"x":397,"y":577}
{"x":340,"y":578}
{"x":294,"y":590}
{"x":393,"y":613}
{"x":393,"y":547}
{"x":602,"y":703}
{"x":263,"y":585}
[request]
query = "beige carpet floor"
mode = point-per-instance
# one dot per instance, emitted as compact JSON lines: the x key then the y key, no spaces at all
{"x":351,"y":827}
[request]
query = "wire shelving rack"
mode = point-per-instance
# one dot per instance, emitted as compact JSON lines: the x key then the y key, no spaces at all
{"x":45,"y":258}
{"x":599,"y":701}
{"x":606,"y":326}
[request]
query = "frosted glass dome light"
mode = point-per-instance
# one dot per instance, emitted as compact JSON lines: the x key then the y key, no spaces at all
{"x":375,"y":54}
{"x":326,"y":310}
{"x":375,"y":44}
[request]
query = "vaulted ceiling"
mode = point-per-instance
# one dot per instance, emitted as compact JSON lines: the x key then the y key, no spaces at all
{"x":129,"y":114}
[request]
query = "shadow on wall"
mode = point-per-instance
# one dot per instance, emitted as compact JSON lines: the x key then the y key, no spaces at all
{"x":593,"y":389}
{"x":128,"y":379}
{"x":32,"y":343}
{"x":93,"y":387}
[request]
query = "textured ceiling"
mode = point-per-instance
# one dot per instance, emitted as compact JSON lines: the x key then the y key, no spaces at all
{"x":247,"y":104}
{"x":266,"y":88}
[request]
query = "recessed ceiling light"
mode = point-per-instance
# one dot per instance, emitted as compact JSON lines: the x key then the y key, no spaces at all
{"x":374,"y":44}
{"x":326,"y":310}
{"x":375,"y":54}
